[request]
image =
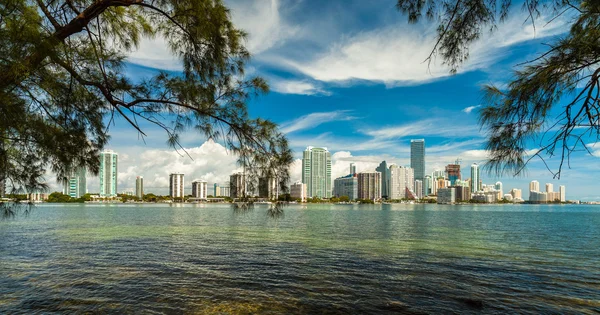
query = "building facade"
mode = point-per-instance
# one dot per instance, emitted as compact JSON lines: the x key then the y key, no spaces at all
{"x":346,"y":186}
{"x":475,"y":179}
{"x":298,"y":191}
{"x":76,"y":184}
{"x":108,"y":174}
{"x":316,"y":172}
{"x":268,"y":188}
{"x":369,"y":185}
{"x":453,"y":173}
{"x":401,"y":180}
{"x":417,"y":158}
{"x":237,"y":185}
{"x":200,"y":189}
{"x":139,"y":187}
{"x":176,"y":185}
{"x":562,"y":192}
{"x":446,"y":196}
{"x":534,"y":185}
{"x":385,"y":179}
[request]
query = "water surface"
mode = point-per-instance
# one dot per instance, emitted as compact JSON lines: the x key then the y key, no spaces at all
{"x":192,"y":259}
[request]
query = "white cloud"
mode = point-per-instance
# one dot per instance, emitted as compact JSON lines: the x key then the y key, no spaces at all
{"x":469,"y":109}
{"x":314,"y":119}
{"x":296,"y":87}
{"x":395,"y":54}
{"x":427,"y":127}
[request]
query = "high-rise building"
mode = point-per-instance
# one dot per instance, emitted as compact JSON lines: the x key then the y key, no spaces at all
{"x":108,"y":173}
{"x":417,"y":158}
{"x":75,"y":184}
{"x":453,"y":173}
{"x":475,"y":179}
{"x":268,"y":188}
{"x":369,"y":185}
{"x":316,"y":172}
{"x":534,"y":185}
{"x":516,"y":193}
{"x":549,"y":187}
{"x":139,"y":187}
{"x":498,"y":187}
{"x":298,"y":191}
{"x":419,"y":189}
{"x":225,"y":190}
{"x":401,"y":181}
{"x":352,"y":168}
{"x":385,"y":179}
{"x":237,"y":185}
{"x":176,"y":186}
{"x":216,"y":190}
{"x":346,"y":186}
{"x":561,"y":191}
{"x":200,"y":189}
{"x":427,"y":183}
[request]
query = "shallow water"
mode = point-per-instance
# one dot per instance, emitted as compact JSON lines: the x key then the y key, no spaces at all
{"x":315,"y":259}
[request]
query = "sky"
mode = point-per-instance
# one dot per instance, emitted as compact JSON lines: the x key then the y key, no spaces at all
{"x":351,"y":76}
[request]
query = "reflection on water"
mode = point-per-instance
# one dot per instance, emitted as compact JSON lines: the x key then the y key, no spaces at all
{"x":314,"y":259}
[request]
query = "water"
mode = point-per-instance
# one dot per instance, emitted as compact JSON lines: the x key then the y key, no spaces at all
{"x":315,"y":259}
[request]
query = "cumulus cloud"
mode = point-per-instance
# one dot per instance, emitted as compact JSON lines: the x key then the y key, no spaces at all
{"x":469,"y":109}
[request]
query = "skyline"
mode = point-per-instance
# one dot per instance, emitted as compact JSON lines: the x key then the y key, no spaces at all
{"x":360,"y":88}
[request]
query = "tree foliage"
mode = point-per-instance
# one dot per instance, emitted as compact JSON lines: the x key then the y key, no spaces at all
{"x":566,"y":75}
{"x":62,"y":84}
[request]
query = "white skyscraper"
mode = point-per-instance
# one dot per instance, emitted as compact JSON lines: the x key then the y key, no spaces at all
{"x":534,"y":186}
{"x":401,"y":179}
{"x":199,"y":189}
{"x":316,"y":172}
{"x":108,"y":173}
{"x":549,"y":187}
{"x":139,"y":187}
{"x":475,"y":178}
{"x":563,"y":196}
{"x":176,"y":186}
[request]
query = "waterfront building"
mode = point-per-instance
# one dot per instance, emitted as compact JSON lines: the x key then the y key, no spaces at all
{"x":462,"y":193}
{"x":401,"y":181}
{"x":352,"y":168}
{"x":453,"y":173}
{"x":316,"y":172}
{"x":419,"y":189}
{"x":225,"y":190}
{"x":498,"y":187}
{"x":75,"y":184}
{"x":346,"y":186}
{"x":538,"y":197}
{"x":508,"y":197}
{"x":561,"y":191}
{"x":199,"y":189}
{"x":369,"y":185}
{"x":139,"y":187}
{"x":385,"y":179}
{"x":516,"y":194}
{"x":446,"y":195}
{"x":427,"y":183}
{"x":298,"y":191}
{"x":268,"y":188}
{"x":549,"y":187}
{"x":417,"y":158}
{"x":108,"y":173}
{"x":237,"y":185}
{"x":534,"y":186}
{"x":216,"y":190}
{"x":475,"y":178}
{"x":176,"y":185}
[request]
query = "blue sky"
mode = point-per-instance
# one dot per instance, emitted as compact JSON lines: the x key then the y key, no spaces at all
{"x":350,"y":76}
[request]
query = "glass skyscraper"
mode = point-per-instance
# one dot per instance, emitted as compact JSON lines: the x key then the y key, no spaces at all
{"x":385,"y":179}
{"x":108,"y":174}
{"x":76,"y":184}
{"x":316,"y":172}
{"x":417,"y":159}
{"x":475,"y":178}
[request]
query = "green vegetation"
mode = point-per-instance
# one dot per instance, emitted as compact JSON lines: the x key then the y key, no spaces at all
{"x":62,"y":81}
{"x":519,"y":115}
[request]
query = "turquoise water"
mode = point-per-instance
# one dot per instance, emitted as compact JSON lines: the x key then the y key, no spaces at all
{"x":315,"y":259}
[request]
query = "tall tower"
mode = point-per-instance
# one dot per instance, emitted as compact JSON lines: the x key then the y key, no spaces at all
{"x":453,"y":172}
{"x":139,"y":187}
{"x":534,"y":186}
{"x":199,"y":189}
{"x":76,"y":184}
{"x":352,"y":168}
{"x":385,"y":179}
{"x":369,"y":185}
{"x":562,"y":196}
{"x":316,"y":172}
{"x":176,"y":186}
{"x":237,"y":185}
{"x":475,"y":179}
{"x":417,"y":158}
{"x":549,"y":187}
{"x":108,"y":173}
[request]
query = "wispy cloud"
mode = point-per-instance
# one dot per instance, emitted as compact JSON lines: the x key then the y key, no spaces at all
{"x":296,"y":87}
{"x":469,"y":109}
{"x":427,"y":127}
{"x":314,"y":119}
